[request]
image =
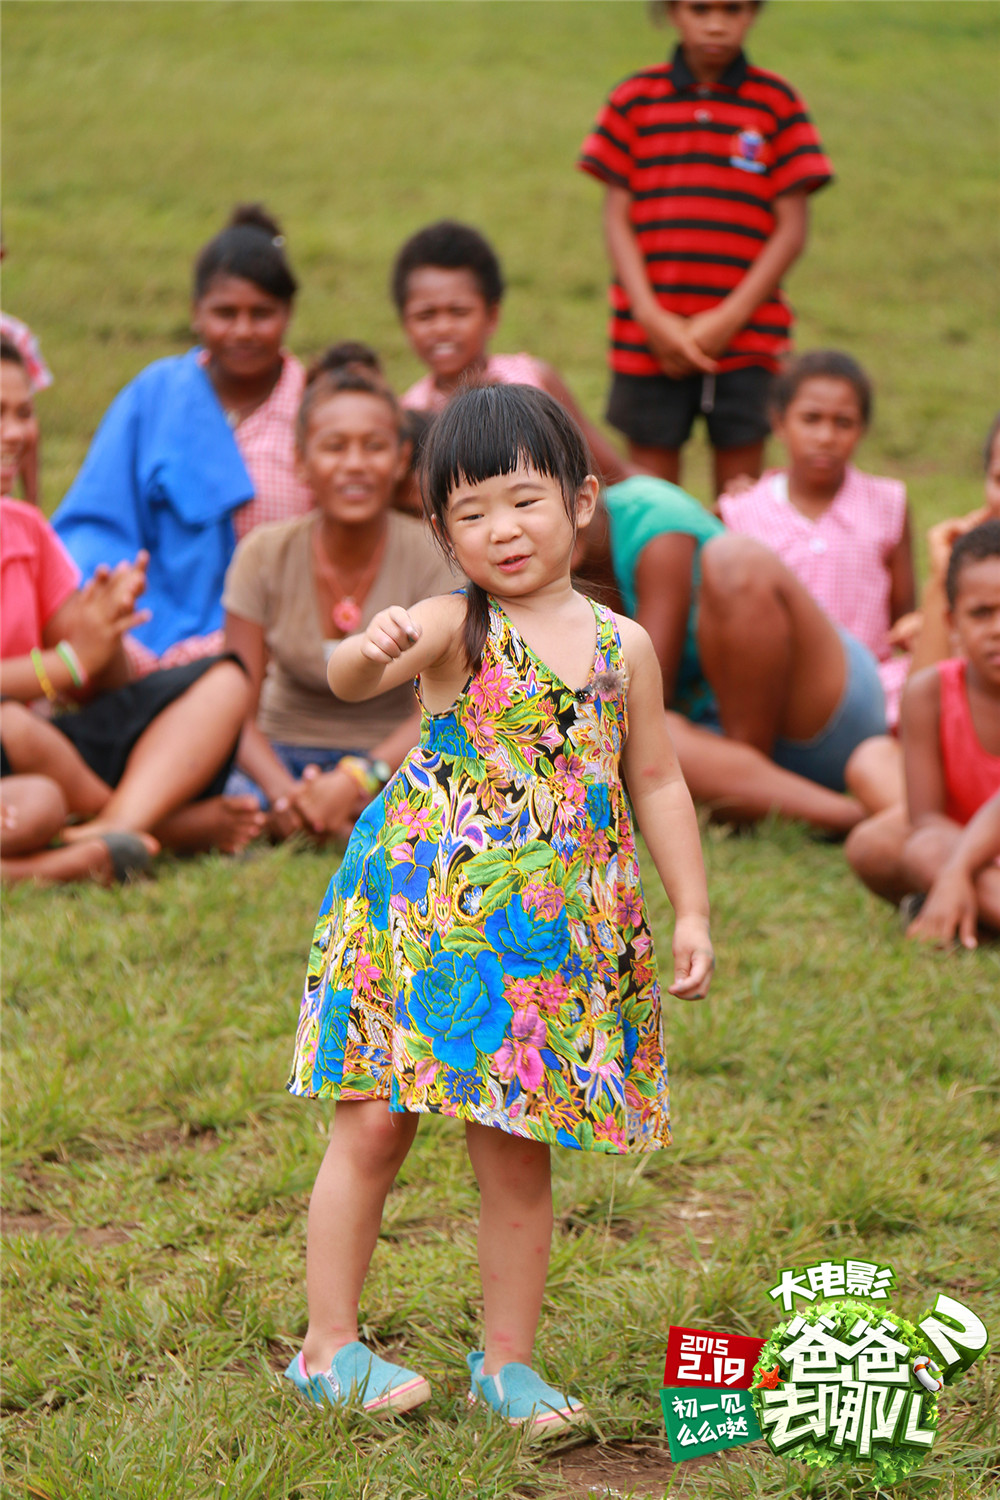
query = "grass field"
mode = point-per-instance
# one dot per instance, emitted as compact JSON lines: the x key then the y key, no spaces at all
{"x":838,"y":1094}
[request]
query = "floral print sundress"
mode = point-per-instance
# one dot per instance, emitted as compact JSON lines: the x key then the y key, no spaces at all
{"x":483,"y":950}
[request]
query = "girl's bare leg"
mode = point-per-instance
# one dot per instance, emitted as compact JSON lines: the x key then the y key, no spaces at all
{"x":740,"y":785}
{"x":731,"y":463}
{"x":773,"y":657}
{"x":225,"y":823}
{"x":515,"y":1235}
{"x":34,"y":745}
{"x":32,"y":811}
{"x":665,"y":463}
{"x":367,"y":1148}
{"x":88,"y":860}
{"x":926,"y":851}
{"x":874,"y":773}
{"x":180,"y":751}
{"x":874,"y":852}
{"x":988,"y":896}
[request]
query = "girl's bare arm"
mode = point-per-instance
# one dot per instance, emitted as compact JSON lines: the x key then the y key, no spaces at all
{"x":398,"y":645}
{"x":902,"y":584}
{"x":919,"y":721}
{"x":665,"y":814}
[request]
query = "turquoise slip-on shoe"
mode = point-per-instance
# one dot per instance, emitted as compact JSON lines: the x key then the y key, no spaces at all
{"x":357,"y":1375}
{"x":522,"y":1398}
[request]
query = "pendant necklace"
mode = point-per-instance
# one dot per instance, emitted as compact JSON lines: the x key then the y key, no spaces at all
{"x":346,"y":612}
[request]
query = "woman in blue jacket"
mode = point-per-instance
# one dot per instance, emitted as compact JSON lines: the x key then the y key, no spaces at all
{"x":199,"y":447}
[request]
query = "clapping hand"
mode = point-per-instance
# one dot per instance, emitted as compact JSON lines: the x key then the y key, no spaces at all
{"x":105,"y":611}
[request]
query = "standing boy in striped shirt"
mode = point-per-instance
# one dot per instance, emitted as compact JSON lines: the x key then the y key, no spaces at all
{"x":708,"y":163}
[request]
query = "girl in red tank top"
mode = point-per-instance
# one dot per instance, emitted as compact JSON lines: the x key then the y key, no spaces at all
{"x":947,"y":846}
{"x":971,"y":773}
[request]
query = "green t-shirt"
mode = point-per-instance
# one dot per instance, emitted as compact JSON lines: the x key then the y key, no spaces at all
{"x":640,"y":509}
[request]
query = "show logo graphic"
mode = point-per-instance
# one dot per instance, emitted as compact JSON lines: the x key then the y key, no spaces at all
{"x":842,"y":1381}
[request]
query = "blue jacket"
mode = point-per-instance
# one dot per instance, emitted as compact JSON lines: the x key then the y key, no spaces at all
{"x":164,"y":473}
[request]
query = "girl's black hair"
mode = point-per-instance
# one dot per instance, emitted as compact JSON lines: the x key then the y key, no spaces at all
{"x":347,"y":366}
{"x":10,"y":353}
{"x":490,"y":430}
{"x":251,"y":246}
{"x":977,"y":545}
{"x":449,"y":246}
{"x":830,"y":364}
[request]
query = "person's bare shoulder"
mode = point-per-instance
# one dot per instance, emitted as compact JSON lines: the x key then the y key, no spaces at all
{"x":637,"y":647}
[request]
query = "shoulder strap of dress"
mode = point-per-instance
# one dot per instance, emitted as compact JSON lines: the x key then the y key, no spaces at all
{"x":609,"y":641}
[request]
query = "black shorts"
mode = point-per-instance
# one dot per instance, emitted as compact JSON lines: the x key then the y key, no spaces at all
{"x":105,"y":730}
{"x":656,"y":411}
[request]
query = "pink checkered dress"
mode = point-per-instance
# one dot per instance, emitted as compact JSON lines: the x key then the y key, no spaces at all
{"x":842,"y":557}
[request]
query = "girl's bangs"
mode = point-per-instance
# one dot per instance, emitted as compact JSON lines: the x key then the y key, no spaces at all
{"x":496,"y":430}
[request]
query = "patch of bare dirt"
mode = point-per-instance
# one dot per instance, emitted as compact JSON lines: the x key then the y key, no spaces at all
{"x":604,"y":1471}
{"x":39,"y":1223}
{"x":707,"y":1221}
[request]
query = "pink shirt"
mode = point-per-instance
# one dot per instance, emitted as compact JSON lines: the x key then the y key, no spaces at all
{"x":266,"y":440}
{"x":37,"y":576}
{"x":842,"y":556}
{"x":501,"y":369}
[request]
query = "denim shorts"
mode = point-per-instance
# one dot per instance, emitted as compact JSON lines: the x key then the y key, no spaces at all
{"x":859,"y":715}
{"x":294,"y":758}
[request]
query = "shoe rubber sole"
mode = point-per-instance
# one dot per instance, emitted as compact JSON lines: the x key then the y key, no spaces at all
{"x":400,"y":1398}
{"x":535,"y":1425}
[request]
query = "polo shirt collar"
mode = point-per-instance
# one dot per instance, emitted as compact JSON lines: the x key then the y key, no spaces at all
{"x":682,"y":78}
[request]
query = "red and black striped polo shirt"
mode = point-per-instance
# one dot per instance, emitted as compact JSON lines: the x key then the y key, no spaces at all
{"x":703,"y":163}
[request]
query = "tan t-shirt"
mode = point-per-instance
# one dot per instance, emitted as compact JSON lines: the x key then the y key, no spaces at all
{"x":270,"y":583}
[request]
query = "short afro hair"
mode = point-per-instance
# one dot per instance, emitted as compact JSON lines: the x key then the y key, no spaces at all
{"x":449,"y":246}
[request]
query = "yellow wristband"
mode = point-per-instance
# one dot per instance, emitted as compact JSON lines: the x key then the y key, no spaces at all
{"x":361,"y":772}
{"x":44,"y":681}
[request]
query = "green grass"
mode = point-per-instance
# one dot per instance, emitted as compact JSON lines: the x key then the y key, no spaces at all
{"x":836,"y":1097}
{"x":838,"y":1094}
{"x":131,"y":128}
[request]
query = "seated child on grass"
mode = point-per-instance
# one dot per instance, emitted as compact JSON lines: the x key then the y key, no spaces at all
{"x":845,"y":534}
{"x":132,"y":758}
{"x":950,"y":727}
{"x":447,"y":286}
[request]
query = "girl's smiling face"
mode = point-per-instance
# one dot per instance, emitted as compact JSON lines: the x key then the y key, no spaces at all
{"x":352,"y":457}
{"x":241,"y":326}
{"x":821,"y":427}
{"x":447,"y":319}
{"x":18,"y":424}
{"x":513,"y":534}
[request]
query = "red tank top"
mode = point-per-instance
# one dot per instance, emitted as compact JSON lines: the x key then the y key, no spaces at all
{"x":971,"y":774}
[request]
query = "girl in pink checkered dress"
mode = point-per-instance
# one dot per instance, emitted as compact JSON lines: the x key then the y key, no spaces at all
{"x":844,"y":533}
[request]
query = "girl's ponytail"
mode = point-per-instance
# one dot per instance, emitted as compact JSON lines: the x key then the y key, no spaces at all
{"x":477,"y":624}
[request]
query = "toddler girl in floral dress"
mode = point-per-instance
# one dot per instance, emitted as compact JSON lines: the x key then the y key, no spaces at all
{"x":483,"y":951}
